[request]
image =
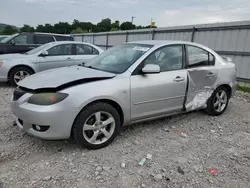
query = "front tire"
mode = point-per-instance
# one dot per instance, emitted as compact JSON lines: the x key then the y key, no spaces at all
{"x":218,"y":102}
{"x":19,"y":73}
{"x":96,"y":126}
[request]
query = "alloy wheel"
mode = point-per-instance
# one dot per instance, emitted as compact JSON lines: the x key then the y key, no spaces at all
{"x":220,"y":101}
{"x":20,"y":75}
{"x":99,"y":127}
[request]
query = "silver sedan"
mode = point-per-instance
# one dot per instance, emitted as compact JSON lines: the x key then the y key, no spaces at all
{"x":128,"y":83}
{"x":15,"y":67}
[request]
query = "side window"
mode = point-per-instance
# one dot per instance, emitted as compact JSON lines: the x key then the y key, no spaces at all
{"x":63,"y":49}
{"x":82,"y":49}
{"x":198,"y":57}
{"x":168,"y":58}
{"x":95,"y":51}
{"x":24,"y":39}
{"x":211,"y":59}
{"x":43,"y":39}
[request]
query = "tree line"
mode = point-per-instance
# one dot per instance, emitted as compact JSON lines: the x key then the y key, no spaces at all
{"x":77,"y":26}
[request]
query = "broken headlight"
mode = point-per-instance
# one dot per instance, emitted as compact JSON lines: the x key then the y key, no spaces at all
{"x":45,"y":99}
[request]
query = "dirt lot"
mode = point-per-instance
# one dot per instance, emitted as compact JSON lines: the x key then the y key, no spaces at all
{"x":191,"y":150}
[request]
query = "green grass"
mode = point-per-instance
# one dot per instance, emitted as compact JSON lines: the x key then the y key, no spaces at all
{"x":244,"y":89}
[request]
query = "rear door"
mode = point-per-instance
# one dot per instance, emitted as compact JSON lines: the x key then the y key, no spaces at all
{"x":84,"y":53}
{"x":158,"y":94}
{"x":58,"y":56}
{"x":202,"y":76}
{"x":43,"y":39}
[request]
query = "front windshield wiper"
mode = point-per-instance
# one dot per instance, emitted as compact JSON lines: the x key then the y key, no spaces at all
{"x":87,"y":66}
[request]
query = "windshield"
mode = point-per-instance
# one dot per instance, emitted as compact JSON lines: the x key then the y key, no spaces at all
{"x":119,"y":58}
{"x":9,"y":38}
{"x":38,"y":49}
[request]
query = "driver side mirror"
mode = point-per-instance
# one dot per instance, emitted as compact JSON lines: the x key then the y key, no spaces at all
{"x":151,"y":69}
{"x":44,"y":53}
{"x":12,"y":42}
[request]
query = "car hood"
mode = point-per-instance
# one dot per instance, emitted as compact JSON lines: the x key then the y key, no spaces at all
{"x":64,"y":77}
{"x":12,"y":56}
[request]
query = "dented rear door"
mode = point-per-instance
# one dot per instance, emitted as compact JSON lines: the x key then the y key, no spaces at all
{"x":202,"y":75}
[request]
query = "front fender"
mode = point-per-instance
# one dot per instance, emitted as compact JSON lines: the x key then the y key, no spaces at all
{"x":116,"y":91}
{"x":25,"y":63}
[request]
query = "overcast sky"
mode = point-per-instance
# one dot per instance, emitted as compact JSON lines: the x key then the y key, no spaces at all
{"x":163,"y":12}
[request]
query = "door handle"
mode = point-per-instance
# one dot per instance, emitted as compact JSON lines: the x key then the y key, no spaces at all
{"x":179,"y":79}
{"x":69,"y":58}
{"x":210,"y":74}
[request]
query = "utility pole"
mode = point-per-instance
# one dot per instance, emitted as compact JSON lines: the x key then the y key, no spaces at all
{"x":132,"y":20}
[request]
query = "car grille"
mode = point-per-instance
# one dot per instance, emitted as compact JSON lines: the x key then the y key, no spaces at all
{"x":17,"y":94}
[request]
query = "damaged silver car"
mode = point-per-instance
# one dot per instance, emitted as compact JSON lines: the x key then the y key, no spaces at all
{"x":128,"y":83}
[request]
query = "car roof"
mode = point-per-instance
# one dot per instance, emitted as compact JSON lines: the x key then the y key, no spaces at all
{"x":54,"y":34}
{"x":163,"y":42}
{"x":67,"y":42}
{"x":159,"y":43}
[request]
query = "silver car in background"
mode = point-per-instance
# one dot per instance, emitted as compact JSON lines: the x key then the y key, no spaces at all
{"x":15,"y":67}
{"x":128,"y":83}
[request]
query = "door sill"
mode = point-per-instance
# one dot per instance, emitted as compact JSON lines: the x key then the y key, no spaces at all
{"x":158,"y":117}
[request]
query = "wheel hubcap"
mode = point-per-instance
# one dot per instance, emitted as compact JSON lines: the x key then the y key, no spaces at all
{"x":20,"y":75}
{"x":220,"y":101}
{"x":99,"y":127}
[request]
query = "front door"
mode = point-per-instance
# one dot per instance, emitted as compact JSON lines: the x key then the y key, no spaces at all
{"x":160,"y":93}
{"x":58,"y":56}
{"x":22,"y":43}
{"x":202,"y":77}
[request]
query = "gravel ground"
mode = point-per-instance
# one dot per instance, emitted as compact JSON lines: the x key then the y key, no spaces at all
{"x":191,"y":150}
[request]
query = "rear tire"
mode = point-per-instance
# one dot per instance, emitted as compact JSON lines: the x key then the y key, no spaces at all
{"x":20,"y":72}
{"x":96,"y":126}
{"x":218,"y":102}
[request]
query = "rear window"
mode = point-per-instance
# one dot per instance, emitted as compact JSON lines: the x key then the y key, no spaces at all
{"x":64,"y":38}
{"x":43,"y":39}
{"x":82,"y":49}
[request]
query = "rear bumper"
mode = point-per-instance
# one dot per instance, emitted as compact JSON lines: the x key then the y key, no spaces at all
{"x":234,"y":88}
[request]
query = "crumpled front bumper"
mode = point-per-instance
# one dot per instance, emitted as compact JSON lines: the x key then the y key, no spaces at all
{"x":59,"y":120}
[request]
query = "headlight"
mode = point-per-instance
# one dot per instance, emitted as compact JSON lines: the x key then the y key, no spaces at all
{"x":45,"y":99}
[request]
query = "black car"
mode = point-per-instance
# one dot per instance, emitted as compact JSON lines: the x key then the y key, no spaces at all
{"x":23,"y":42}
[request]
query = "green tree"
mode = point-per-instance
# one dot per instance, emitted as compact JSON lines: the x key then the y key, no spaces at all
{"x":116,"y":24}
{"x":27,"y":28}
{"x":78,"y":31}
{"x":114,"y":29}
{"x":62,"y":28}
{"x":9,"y":30}
{"x":127,"y":26}
{"x":104,"y":25}
{"x":40,"y":28}
{"x":47,"y":28}
{"x":88,"y":26}
{"x":75,"y":24}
